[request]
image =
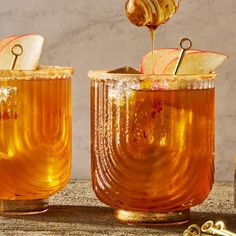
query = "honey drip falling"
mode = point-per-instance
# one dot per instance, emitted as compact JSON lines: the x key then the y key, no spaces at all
{"x":151,"y":13}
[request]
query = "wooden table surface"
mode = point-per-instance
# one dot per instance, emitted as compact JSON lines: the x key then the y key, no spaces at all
{"x":76,"y":211}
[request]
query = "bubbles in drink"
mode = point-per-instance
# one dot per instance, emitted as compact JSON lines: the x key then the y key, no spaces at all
{"x":35,"y":148}
{"x":147,"y":145}
{"x":8,"y":102}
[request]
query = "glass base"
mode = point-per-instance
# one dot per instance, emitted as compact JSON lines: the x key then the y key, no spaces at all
{"x":153,"y":218}
{"x":23,"y":207}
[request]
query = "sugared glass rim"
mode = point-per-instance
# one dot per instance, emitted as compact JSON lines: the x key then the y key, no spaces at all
{"x":43,"y":72}
{"x":104,"y":75}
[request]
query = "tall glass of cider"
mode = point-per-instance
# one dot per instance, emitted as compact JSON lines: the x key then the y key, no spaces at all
{"x":152,"y":144}
{"x":35,"y":137}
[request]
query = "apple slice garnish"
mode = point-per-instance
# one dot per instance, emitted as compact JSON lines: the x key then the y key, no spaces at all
{"x":32,"y":47}
{"x":194,"y":62}
{"x":146,"y":63}
{"x":6,"y":40}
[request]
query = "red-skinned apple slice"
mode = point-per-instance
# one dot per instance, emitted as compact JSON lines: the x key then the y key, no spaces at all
{"x":194,"y":62}
{"x":162,"y":63}
{"x":146,"y":63}
{"x":32,"y":47}
{"x":6,"y":40}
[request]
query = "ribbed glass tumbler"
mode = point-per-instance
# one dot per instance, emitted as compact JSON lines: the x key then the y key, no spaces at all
{"x":35,"y":137}
{"x":152,"y":144}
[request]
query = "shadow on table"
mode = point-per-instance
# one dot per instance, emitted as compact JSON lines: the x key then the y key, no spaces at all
{"x":103,"y":216}
{"x":72,"y":214}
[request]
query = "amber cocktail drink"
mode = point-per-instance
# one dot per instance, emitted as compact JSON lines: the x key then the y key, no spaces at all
{"x":35,"y":137}
{"x":152,"y":144}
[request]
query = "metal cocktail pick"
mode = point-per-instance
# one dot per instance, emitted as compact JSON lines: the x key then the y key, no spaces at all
{"x":208,"y":228}
{"x":192,"y":230}
{"x":216,"y":229}
{"x":16,"y":51}
{"x":182,"y":53}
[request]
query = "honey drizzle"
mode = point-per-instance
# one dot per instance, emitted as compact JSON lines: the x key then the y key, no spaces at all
{"x":152,"y":31}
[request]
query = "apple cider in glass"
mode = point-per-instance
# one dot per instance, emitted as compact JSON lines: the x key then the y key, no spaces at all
{"x":152,"y":144}
{"x":152,"y":130}
{"x":35,"y":137}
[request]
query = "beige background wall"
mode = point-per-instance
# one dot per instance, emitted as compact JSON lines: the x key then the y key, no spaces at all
{"x":95,"y":34}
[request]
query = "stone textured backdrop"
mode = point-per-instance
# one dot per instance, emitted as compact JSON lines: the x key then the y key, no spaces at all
{"x":95,"y":34}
